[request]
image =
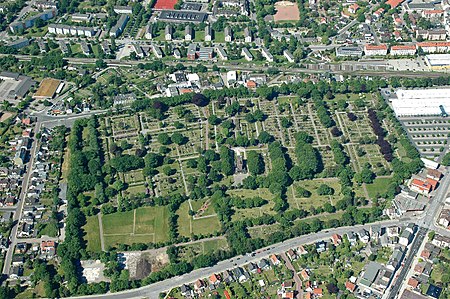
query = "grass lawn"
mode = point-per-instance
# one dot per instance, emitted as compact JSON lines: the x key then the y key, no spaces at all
{"x":380,"y":184}
{"x":314,"y":200}
{"x":219,"y":37}
{"x":147,"y":224}
{"x":118,"y":223}
{"x":205,"y":226}
{"x":201,"y":226}
{"x":75,"y":48}
{"x":92,"y":234}
{"x":192,"y":250}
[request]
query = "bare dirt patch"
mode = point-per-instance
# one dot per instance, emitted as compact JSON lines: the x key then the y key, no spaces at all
{"x":142,"y":263}
{"x":286,"y":11}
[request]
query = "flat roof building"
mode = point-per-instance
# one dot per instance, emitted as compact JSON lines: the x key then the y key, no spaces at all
{"x":415,"y":102}
{"x":177,"y":16}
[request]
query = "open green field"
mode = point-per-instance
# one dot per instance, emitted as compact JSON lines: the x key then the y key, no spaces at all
{"x":92,"y":236}
{"x":188,"y":226}
{"x":315,"y":200}
{"x":379,"y":185}
{"x":143,"y":225}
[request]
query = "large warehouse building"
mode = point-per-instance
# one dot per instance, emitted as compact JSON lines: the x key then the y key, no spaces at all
{"x":416,"y":102}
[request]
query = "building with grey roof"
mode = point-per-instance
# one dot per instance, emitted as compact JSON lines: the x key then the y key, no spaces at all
{"x":188,"y":33}
{"x":168,"y":31}
{"x":247,"y":55}
{"x":208,"y":33}
{"x":370,"y":273}
{"x":221,"y":52}
{"x":349,"y":51}
{"x":228,"y":34}
{"x":178,"y":16}
{"x":120,"y":26}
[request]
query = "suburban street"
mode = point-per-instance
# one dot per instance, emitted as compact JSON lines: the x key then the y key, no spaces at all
{"x":19,"y":207}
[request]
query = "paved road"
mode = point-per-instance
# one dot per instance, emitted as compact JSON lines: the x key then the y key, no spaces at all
{"x":412,"y":252}
{"x":19,"y":209}
{"x":152,"y":291}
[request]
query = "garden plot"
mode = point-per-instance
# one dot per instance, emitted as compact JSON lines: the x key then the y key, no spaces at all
{"x":125,"y":126}
{"x":133,"y":177}
{"x":271,"y":125}
{"x":169,"y":185}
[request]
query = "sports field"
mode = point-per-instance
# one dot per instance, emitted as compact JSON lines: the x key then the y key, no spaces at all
{"x":286,"y":11}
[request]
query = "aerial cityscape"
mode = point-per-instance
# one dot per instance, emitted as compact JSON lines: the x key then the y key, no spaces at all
{"x":225,"y":149}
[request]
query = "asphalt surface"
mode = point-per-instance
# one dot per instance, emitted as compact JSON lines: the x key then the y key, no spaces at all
{"x":412,"y":252}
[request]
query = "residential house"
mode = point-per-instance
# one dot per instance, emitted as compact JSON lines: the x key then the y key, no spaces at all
{"x":321,"y":246}
{"x":266,"y":54}
{"x":336,"y":239}
{"x":396,"y":259}
{"x":406,"y":237}
{"x":199,"y":286}
{"x":304,"y":274}
{"x":185,"y":290}
{"x":274,"y":259}
{"x":288,"y":55}
{"x":214,"y":279}
{"x":434,"y":174}
{"x":168,"y":33}
{"x":441,"y":241}
{"x":253,"y":268}
{"x":188,"y":33}
{"x":444,"y":218}
{"x":351,"y":237}
{"x":228,"y":276}
{"x":247,"y":55}
{"x":363,"y":236}
{"x":403,"y":50}
{"x":375,"y":50}
{"x":292,"y":255}
{"x":351,"y":287}
{"x":240,"y":274}
{"x":420,"y":186}
{"x":413,"y":283}
{"x":263,"y":264}
{"x":248,"y":35}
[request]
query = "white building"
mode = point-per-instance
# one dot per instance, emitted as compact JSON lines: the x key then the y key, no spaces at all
{"x":123,"y":10}
{"x":421,"y":101}
{"x":248,"y":35}
{"x":438,"y":61}
{"x":208,"y":34}
{"x":289,"y":56}
{"x":247,"y":55}
{"x":375,"y":50}
{"x":266,"y":54}
{"x":403,"y":50}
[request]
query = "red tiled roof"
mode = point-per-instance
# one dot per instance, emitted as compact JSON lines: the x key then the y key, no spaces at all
{"x":403,"y":47}
{"x":350,"y":286}
{"x":394,"y":3}
{"x":376,"y":47}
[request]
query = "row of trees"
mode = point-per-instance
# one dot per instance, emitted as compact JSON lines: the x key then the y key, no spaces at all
{"x":385,"y":146}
